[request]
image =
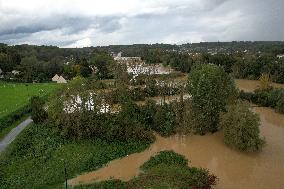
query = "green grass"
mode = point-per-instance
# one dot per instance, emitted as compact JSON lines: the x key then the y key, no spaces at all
{"x":165,"y":170}
{"x":36,"y":158}
{"x":6,"y":130}
{"x":16,"y":95}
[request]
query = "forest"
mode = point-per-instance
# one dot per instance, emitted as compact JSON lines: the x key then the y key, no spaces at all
{"x":241,"y":59}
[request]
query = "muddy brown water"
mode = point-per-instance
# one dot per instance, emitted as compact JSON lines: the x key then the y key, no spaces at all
{"x":251,"y":85}
{"x":234,"y":169}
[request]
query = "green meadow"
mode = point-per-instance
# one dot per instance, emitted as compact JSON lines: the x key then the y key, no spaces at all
{"x":16,"y":95}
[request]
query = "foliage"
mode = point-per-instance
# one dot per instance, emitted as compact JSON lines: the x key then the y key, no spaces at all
{"x":164,"y":120}
{"x":103,"y":63}
{"x":165,"y":170}
{"x":265,"y":83}
{"x":39,"y":115}
{"x":36,"y":158}
{"x":241,"y":128}
{"x":211,"y":89}
{"x":244,"y":59}
{"x":165,"y":157}
{"x":270,"y":98}
{"x":77,"y":112}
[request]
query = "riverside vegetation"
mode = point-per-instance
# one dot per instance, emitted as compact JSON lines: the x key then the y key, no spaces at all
{"x":84,"y":130}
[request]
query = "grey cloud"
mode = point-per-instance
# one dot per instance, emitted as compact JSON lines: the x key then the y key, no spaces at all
{"x":211,"y":20}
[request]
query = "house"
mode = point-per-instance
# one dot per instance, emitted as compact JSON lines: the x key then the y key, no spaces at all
{"x":55,"y":78}
{"x":1,"y":71}
{"x":58,"y":79}
{"x":61,"y":80}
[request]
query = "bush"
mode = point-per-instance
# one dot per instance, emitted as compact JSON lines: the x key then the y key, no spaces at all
{"x":270,"y":98}
{"x":241,"y":128}
{"x":39,"y":115}
{"x":165,"y":170}
{"x":280,"y":105}
{"x":164,"y":120}
{"x":169,"y":170}
{"x":165,"y":157}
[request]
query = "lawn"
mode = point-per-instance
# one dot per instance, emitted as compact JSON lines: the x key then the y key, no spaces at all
{"x":16,"y":95}
{"x":37,"y":157}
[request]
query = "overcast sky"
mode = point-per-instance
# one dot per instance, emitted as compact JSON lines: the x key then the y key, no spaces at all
{"x":77,"y":23}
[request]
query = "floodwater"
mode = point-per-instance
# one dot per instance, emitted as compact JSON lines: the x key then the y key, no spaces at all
{"x":250,"y":85}
{"x":234,"y":169}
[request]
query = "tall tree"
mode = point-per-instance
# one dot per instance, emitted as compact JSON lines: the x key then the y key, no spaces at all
{"x":211,"y":89}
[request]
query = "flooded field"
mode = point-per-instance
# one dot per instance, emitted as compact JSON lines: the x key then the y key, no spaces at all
{"x":234,"y":169}
{"x":250,"y":85}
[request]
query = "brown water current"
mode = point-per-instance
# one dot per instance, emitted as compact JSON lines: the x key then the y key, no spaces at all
{"x":250,"y":85}
{"x":235,"y":170}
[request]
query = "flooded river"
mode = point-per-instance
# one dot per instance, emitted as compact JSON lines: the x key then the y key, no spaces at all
{"x":234,"y":169}
{"x":250,"y":85}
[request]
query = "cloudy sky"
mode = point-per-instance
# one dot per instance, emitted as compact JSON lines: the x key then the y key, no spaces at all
{"x":77,"y":23}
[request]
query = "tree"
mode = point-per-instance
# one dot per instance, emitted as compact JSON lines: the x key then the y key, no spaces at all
{"x":30,"y":68}
{"x":211,"y":89}
{"x":103,"y":63}
{"x":241,"y":128}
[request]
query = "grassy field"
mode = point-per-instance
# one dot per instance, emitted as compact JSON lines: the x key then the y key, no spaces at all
{"x":16,"y":95}
{"x":36,"y":158}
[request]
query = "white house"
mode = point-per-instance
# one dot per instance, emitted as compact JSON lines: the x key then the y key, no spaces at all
{"x":58,"y":79}
{"x":55,"y":78}
{"x":280,"y":56}
{"x":61,"y":80}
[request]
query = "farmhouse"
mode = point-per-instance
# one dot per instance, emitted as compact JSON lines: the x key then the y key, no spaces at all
{"x":55,"y":78}
{"x":58,"y":79}
{"x":61,"y":80}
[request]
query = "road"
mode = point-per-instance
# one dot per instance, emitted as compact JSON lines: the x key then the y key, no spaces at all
{"x":13,"y":134}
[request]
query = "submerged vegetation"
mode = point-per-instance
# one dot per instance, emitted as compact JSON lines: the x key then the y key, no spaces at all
{"x":241,"y":128}
{"x":211,"y":89}
{"x":105,"y":113}
{"x":165,"y":170}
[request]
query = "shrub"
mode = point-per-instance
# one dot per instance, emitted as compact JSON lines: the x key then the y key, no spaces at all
{"x":169,"y":170}
{"x":270,"y":98}
{"x":164,"y":120}
{"x":39,"y":115}
{"x":280,"y":105}
{"x":241,"y":128}
{"x":165,"y":157}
